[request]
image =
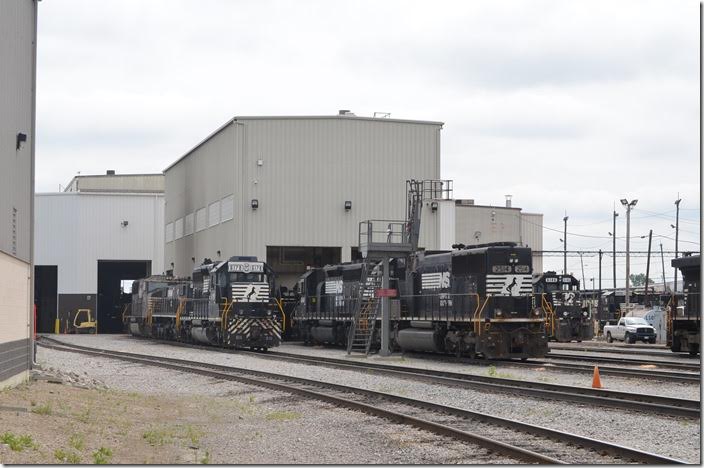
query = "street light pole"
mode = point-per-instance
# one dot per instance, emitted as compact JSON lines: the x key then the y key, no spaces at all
{"x":677,"y":232}
{"x":614,"y":251}
{"x":564,"y":267}
{"x":662,"y":258}
{"x":628,"y":206}
{"x":647,"y":268}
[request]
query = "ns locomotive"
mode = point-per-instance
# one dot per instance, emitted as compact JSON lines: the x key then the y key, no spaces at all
{"x":471,"y":301}
{"x":684,"y":314}
{"x":565,"y":317}
{"x":229,"y":303}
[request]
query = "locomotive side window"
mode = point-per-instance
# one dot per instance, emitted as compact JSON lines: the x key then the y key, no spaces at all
{"x":247,"y":278}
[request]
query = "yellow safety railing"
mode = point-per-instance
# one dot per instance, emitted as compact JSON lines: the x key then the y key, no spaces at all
{"x":549,"y":314}
{"x":150,"y":311}
{"x":477,"y":316}
{"x":283,"y":315}
{"x":124,"y":311}
{"x":179,"y":311}
{"x":225,"y":311}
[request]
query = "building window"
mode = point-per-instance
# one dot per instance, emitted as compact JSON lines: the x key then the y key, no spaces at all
{"x":227,"y":208}
{"x":214,"y":214}
{"x":169,"y":232}
{"x":200,"y":219}
{"x":178,"y":228}
{"x":189,"y":220}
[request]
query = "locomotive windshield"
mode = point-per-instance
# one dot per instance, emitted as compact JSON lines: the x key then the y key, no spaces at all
{"x":247,"y":278}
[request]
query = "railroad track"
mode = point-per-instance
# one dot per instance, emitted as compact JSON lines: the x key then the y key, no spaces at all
{"x":636,"y":352}
{"x":600,"y":397}
{"x":625,"y":361}
{"x":522,"y":441}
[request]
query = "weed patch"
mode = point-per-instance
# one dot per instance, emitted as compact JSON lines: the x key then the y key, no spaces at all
{"x":17,"y":443}
{"x":77,"y":441}
{"x":42,"y":409}
{"x":102,"y":456}
{"x":65,"y":456}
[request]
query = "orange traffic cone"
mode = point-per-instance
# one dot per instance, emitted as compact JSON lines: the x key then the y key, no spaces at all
{"x":596,"y":381}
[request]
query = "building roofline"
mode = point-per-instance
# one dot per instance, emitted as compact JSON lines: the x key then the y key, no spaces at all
{"x":88,"y":194}
{"x":119,"y":175}
{"x":492,"y":206}
{"x":237,"y":119}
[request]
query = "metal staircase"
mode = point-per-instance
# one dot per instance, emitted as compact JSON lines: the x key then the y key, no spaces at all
{"x":366,"y":311}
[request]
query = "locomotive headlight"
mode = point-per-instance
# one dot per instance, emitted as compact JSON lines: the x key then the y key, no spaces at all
{"x":499,"y":313}
{"x":564,"y":314}
{"x":585,"y":313}
{"x":536,"y":312}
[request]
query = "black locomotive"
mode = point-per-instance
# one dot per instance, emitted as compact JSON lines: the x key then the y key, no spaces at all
{"x":684,"y":314}
{"x":566,"y":319}
{"x":470,"y":301}
{"x":229,"y":303}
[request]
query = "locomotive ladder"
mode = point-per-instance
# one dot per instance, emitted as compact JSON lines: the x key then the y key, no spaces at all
{"x":363,"y":323}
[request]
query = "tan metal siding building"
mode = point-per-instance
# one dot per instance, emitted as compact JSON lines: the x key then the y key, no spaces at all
{"x":300,"y":171}
{"x":18,"y":35}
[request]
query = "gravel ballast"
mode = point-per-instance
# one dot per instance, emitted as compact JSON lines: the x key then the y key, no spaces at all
{"x":674,"y":437}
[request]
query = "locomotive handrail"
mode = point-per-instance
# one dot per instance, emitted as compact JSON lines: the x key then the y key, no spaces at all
{"x":479,"y":313}
{"x":550,"y":313}
{"x":225,"y":311}
{"x":179,"y":310}
{"x":283,"y":314}
{"x":124,"y":311}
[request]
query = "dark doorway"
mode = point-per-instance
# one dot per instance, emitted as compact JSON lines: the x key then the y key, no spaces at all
{"x":290,"y":262}
{"x":112,"y":275}
{"x":45,"y":294}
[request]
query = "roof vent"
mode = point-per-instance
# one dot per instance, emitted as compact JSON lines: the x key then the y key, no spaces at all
{"x":345,"y":112}
{"x":110,"y":172}
{"x":508,"y":200}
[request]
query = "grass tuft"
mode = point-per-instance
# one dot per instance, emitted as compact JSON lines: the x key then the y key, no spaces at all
{"x":77,"y":441}
{"x":17,"y":443}
{"x":102,"y":456}
{"x":42,"y":409}
{"x":67,"y":457}
{"x":282,"y":416}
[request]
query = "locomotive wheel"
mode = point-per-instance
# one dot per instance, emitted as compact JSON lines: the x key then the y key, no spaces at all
{"x":608,"y":338}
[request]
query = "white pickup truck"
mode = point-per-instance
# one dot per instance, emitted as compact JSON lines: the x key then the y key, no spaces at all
{"x":630,"y":330}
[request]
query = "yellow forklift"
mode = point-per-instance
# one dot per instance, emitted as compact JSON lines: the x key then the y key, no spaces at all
{"x":84,"y":322}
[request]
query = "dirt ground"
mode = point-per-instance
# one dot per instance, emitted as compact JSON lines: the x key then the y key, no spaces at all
{"x":49,"y":423}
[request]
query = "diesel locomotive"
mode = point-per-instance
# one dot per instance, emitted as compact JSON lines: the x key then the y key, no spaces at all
{"x":470,"y":301}
{"x":566,"y":319}
{"x":684,"y":314}
{"x":229,"y":303}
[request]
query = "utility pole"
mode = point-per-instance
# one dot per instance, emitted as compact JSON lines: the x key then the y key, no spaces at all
{"x":628,"y":206}
{"x":584,"y":283}
{"x":662,"y":257}
{"x":647,"y":268}
{"x":677,"y":232}
{"x":564,"y":267}
{"x":600,"y":255}
{"x":614,"y":251}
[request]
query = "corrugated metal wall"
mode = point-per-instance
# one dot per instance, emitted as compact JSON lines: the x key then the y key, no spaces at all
{"x":18,"y":34}
{"x":301,"y":171}
{"x":17,"y":37}
{"x":75,"y":230}
{"x":475,"y":224}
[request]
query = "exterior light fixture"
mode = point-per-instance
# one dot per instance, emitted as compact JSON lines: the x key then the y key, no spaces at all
{"x":124,"y":223}
{"x":348,"y":205}
{"x":255,"y":203}
{"x":172,"y":265}
{"x":193,"y":259}
{"x":434,"y":206}
{"x":21,"y":139}
{"x":218,"y":252}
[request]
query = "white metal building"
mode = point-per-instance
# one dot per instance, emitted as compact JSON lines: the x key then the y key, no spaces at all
{"x":292,"y":190}
{"x":90,"y":243}
{"x":18,"y":38}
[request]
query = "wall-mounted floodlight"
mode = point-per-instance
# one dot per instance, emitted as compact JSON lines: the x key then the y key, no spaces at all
{"x":348,"y":205}
{"x":255,"y":203}
{"x":124,"y":223}
{"x":21,"y":139}
{"x":434,"y":206}
{"x":172,"y":265}
{"x":218,"y":252}
{"x":193,"y":259}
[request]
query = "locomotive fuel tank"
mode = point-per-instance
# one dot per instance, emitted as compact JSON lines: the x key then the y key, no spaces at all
{"x":420,"y":339}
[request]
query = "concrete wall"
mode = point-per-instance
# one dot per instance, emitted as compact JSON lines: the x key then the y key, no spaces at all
{"x":75,"y":230}
{"x":18,"y":33}
{"x":301,"y":171}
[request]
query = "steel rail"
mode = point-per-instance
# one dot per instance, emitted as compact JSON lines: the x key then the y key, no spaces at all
{"x":623,"y":361}
{"x":574,"y":442}
{"x":630,"y":351}
{"x":609,"y":398}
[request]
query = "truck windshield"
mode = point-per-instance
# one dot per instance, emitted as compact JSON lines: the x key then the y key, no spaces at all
{"x":636,"y":321}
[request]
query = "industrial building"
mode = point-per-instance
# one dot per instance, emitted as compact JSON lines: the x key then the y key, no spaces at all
{"x":18,"y":40}
{"x":91,"y":241}
{"x":292,"y":191}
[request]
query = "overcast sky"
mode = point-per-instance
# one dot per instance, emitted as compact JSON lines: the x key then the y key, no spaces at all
{"x":568,"y":106}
